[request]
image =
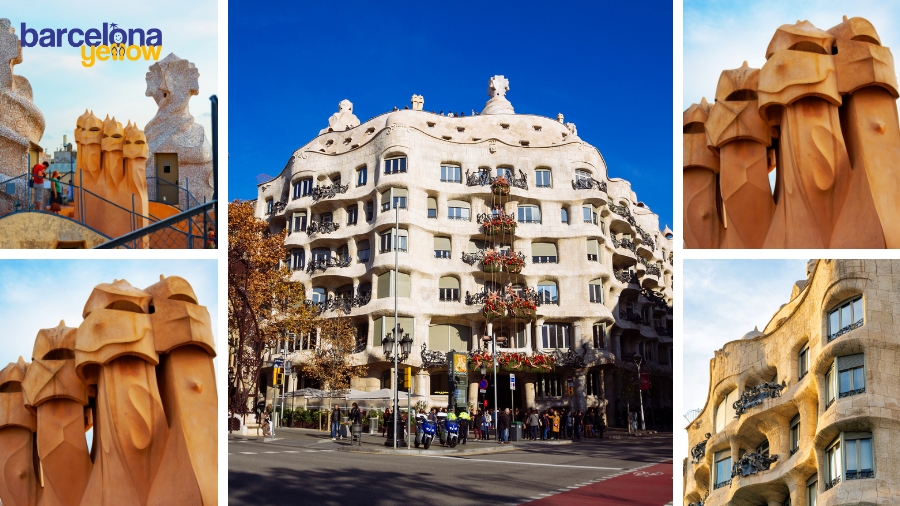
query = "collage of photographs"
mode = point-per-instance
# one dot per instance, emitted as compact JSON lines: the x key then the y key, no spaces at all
{"x":588,"y":322}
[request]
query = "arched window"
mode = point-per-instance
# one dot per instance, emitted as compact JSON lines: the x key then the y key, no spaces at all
{"x":298,"y":259}
{"x":441,"y":247}
{"x":725,"y":410}
{"x":448,"y":289}
{"x":395,"y":165}
{"x":451,"y":173}
{"x":548,"y":292}
{"x":529,"y":214}
{"x":542,"y":178}
{"x":848,"y":315}
{"x":458,"y":210}
{"x":593,"y":250}
{"x":362,"y":251}
{"x":582,"y":175}
{"x":543,"y":253}
{"x":432,"y":207}
{"x":595,"y":287}
{"x":564,"y":215}
{"x":555,"y":335}
{"x":397,"y":196}
{"x":506,"y":172}
{"x":318,"y":294}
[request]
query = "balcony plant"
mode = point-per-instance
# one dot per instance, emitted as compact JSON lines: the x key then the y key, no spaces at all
{"x":500,"y":186}
{"x":499,"y":223}
{"x":513,"y":262}
{"x":519,"y":307}
{"x":494,"y":306}
{"x":492,"y":261}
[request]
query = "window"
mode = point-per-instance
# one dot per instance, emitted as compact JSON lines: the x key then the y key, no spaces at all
{"x":298,"y":259}
{"x":763,"y":448}
{"x":448,"y":289}
{"x":385,"y":325}
{"x":506,"y":172}
{"x":300,"y":221}
{"x":593,"y":250}
{"x":362,"y":176}
{"x":511,"y":336}
{"x":833,"y":464}
{"x":529,"y":214}
{"x":548,"y":293}
{"x":343,"y":253}
{"x":595,"y":288}
{"x":599,"y":336}
{"x":543,"y":253}
{"x":588,"y":214}
{"x":646,"y":316}
{"x":320,"y":254}
{"x":725,"y":410}
{"x":370,"y":211}
{"x":442,"y":247}
{"x":439,"y":384}
{"x":564,"y":215}
{"x":812,"y":486}
{"x":448,"y":337}
{"x":362,"y":251}
{"x":395,"y":165}
{"x":582,"y":175}
{"x":851,"y":375}
{"x":555,"y":335}
{"x":458,"y":210}
{"x":858,"y":455}
{"x":542,"y":178}
{"x":326,"y":217}
{"x":269,"y":205}
{"x":451,"y":174}
{"x":307,"y":340}
{"x":302,"y":187}
{"x":829,"y":387}
{"x":387,"y":240}
{"x":318,"y":295}
{"x":352,"y":214}
{"x":397,"y":196}
{"x":362,"y":337}
{"x":548,"y":385}
{"x":592,"y":383}
{"x":795,"y":434}
{"x":844,"y":318}
{"x":723,"y":469}
{"x":432,"y":207}
{"x":386,"y":285}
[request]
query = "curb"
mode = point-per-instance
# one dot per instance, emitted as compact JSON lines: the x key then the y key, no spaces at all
{"x":416,"y":452}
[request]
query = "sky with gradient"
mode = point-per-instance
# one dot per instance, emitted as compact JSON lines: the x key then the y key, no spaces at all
{"x":37,"y":294}
{"x":64,"y":88}
{"x":607,"y":66}
{"x":720,"y":35}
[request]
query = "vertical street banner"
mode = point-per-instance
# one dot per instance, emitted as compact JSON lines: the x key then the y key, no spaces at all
{"x":458,"y":380}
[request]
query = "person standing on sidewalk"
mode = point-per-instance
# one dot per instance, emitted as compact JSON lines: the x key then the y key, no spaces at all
{"x":486,"y":428}
{"x":578,"y":420}
{"x":335,"y":423}
{"x":554,"y":424}
{"x":599,"y":424}
{"x":479,"y":421}
{"x":533,"y":424}
{"x":545,"y":423}
{"x":503,"y":426}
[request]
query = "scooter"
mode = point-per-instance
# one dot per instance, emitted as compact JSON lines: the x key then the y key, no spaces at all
{"x":450,"y":433}
{"x":425,"y":431}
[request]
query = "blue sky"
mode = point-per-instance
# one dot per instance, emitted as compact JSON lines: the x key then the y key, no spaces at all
{"x":723,"y":300}
{"x":63,"y":88}
{"x":720,"y":35}
{"x":606,"y":66}
{"x":37,"y":294}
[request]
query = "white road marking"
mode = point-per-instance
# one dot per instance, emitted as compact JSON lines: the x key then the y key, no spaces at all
{"x":248,"y":453}
{"x":523,"y":463}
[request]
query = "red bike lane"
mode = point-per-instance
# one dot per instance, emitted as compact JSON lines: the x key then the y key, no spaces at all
{"x":650,"y":486}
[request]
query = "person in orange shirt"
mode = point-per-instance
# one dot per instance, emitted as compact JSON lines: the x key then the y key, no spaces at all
{"x":554,"y":424}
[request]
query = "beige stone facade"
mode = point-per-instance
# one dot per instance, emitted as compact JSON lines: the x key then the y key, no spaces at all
{"x":594,"y":254}
{"x":806,"y":411}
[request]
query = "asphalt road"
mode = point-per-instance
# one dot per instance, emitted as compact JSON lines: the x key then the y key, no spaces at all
{"x":306,"y":468}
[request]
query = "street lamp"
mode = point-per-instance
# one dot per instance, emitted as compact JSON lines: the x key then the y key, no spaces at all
{"x":397,"y":351}
{"x":638,"y":360}
{"x":389,"y":346}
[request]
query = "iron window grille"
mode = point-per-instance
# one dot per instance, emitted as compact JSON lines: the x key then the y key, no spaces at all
{"x":844,"y":318}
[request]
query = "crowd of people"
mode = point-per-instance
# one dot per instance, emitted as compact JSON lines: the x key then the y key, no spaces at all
{"x":55,"y":197}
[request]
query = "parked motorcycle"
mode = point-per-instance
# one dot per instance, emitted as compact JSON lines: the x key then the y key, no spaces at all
{"x":425,"y":431}
{"x":449,"y":433}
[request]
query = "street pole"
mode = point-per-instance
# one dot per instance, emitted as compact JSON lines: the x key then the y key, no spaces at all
{"x":396,"y":344}
{"x":496,"y":408}
{"x":283,"y":361}
{"x":408,"y":409}
{"x":640,"y":392}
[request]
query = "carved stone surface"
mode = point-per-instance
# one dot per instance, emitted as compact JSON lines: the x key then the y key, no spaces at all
{"x":343,"y":119}
{"x":824,"y":107}
{"x":172,"y":82}
{"x":139,"y":371}
{"x":752,"y":463}
{"x":756,"y":395}
{"x":498,"y":104}
{"x":111,"y":169}
{"x":21,"y":122}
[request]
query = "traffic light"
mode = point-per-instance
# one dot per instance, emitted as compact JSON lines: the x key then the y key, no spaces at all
{"x":407,"y":378}
{"x":277,"y":376}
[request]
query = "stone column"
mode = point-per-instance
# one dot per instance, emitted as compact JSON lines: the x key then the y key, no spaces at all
{"x":475,"y":327}
{"x":576,"y":335}
{"x":473,"y":393}
{"x":537,"y":338}
{"x":528,"y":343}
{"x":529,"y":393}
{"x":579,"y":402}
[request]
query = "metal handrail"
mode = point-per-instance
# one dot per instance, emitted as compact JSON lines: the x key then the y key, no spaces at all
{"x":160,"y":225}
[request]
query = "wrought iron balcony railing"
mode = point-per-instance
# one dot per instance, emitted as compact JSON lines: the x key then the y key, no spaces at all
{"x":646,"y":239}
{"x":793,"y":451}
{"x":277,"y":207}
{"x":624,"y":213}
{"x":752,"y":463}
{"x":630,"y":316}
{"x":584,"y":183}
{"x":699,"y":450}
{"x":626,"y":276}
{"x":654,"y":271}
{"x":655,"y":297}
{"x":328,"y":191}
{"x":721,"y":484}
{"x":483,"y":177}
{"x":472,"y":258}
{"x":345,"y":304}
{"x":529,"y":294}
{"x":624,"y":243}
{"x":860,"y":475}
{"x":663,"y":331}
{"x":326,"y":227}
{"x":756,"y":395}
{"x":323,"y":263}
{"x":433,"y":358}
{"x":852,"y":392}
{"x":833,"y":483}
{"x":846,"y":329}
